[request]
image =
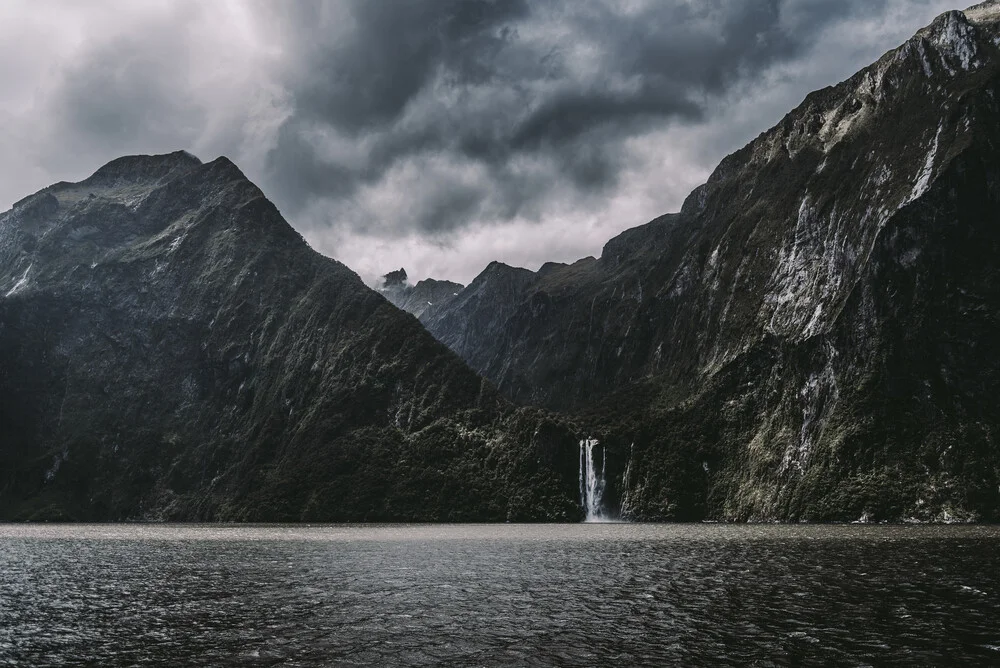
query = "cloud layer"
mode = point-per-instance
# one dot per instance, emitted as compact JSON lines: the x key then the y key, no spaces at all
{"x":432,"y":134}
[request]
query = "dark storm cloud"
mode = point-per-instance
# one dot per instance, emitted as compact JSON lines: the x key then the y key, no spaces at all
{"x":358,"y":63}
{"x":487,"y":84}
{"x":437,"y":133}
{"x":137,"y":84}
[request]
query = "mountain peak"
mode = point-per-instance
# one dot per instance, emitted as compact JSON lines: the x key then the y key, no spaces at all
{"x":394,"y":278}
{"x":224,"y":167}
{"x":953,"y":34}
{"x":136,"y":168}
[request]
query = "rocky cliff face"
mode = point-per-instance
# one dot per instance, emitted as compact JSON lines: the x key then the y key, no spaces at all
{"x":815,"y":334}
{"x":171,"y":349}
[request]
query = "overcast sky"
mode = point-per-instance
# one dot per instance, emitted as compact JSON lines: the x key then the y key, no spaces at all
{"x":436,"y":135}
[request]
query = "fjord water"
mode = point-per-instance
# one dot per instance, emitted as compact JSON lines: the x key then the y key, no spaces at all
{"x":496,"y":595}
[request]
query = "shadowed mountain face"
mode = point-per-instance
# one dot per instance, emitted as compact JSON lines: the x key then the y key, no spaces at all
{"x":815,"y":334}
{"x":171,"y":348}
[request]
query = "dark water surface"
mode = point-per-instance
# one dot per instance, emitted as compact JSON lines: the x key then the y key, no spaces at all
{"x":497,"y":595}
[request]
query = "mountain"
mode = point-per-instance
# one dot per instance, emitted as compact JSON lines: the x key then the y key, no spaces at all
{"x":815,"y":334}
{"x":417,"y":299}
{"x":170,"y":348}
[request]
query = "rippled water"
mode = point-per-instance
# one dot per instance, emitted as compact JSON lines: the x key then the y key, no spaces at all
{"x":489,"y":595}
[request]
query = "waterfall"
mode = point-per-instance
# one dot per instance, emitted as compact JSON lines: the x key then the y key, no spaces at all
{"x":591,"y":482}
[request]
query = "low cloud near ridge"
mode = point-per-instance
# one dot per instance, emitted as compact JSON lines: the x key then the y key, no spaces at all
{"x":432,"y":134}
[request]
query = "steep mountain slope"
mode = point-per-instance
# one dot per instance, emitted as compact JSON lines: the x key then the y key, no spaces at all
{"x":566,"y":334}
{"x":815,"y":334}
{"x":171,"y":348}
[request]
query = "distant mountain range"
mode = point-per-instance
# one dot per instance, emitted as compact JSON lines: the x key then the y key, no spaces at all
{"x":815,"y":335}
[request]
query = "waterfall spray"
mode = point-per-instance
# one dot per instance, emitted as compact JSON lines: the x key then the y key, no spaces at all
{"x":591,"y":482}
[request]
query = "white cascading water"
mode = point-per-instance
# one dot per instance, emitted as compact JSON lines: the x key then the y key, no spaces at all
{"x":591,"y":482}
